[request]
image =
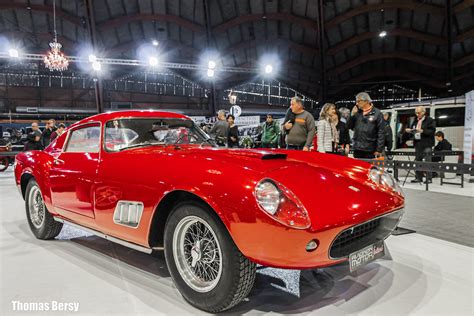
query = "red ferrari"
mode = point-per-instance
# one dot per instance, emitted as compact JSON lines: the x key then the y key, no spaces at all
{"x":150,"y":180}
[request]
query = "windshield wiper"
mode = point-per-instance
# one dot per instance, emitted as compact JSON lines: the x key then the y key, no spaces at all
{"x":210,"y":141}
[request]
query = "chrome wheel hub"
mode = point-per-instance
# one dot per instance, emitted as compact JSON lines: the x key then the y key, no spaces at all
{"x":36,"y":207}
{"x":197,"y":254}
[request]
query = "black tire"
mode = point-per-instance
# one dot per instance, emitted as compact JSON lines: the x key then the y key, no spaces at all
{"x":4,"y":163}
{"x":49,"y":228}
{"x":238,"y":273}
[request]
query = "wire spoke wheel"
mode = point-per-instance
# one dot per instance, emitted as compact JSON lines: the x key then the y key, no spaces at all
{"x":36,"y":207}
{"x":197,"y":253}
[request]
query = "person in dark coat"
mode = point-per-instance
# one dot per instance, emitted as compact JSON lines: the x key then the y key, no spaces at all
{"x":423,"y":129}
{"x":33,"y":141}
{"x":443,"y":145}
{"x":58,"y":132}
{"x":343,"y":146}
{"x":369,"y":128}
{"x":48,"y":130}
{"x":388,"y":132}
{"x":233,"y":137}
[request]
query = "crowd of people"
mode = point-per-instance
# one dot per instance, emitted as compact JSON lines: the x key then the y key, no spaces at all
{"x":38,"y":140}
{"x":372,"y":135}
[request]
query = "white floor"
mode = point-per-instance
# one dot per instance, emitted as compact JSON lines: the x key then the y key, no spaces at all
{"x":425,"y":276}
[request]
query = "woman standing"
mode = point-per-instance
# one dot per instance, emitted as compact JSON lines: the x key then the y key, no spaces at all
{"x":233,"y":137}
{"x":326,"y":132}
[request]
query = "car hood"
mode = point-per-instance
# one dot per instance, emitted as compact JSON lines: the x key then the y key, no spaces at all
{"x":335,"y":190}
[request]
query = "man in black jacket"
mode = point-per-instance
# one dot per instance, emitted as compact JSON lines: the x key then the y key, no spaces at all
{"x":424,"y":129}
{"x":48,"y":130}
{"x":33,"y":141}
{"x":443,"y":145}
{"x":388,"y":132}
{"x":369,"y":128}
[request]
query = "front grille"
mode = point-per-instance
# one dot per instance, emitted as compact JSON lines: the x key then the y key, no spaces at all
{"x":363,"y":235}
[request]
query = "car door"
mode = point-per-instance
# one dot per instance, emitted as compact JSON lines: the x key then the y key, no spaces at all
{"x":74,"y":171}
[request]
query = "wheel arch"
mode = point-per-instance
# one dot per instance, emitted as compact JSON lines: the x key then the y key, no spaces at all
{"x":166,"y":205}
{"x":24,"y":180}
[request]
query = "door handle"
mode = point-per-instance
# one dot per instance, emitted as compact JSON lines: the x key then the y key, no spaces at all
{"x":58,"y":161}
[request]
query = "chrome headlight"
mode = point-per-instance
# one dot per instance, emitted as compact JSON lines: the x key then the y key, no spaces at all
{"x":268,"y":196}
{"x":281,"y":204}
{"x":386,"y":179}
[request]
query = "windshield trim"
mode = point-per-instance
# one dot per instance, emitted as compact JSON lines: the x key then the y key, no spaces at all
{"x":198,"y":129}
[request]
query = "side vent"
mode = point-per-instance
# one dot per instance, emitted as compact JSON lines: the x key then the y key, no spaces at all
{"x":128,"y":213}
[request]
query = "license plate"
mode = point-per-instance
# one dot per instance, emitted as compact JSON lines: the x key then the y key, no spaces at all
{"x":368,"y":254}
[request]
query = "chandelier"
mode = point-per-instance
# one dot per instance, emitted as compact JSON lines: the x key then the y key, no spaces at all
{"x":55,"y":59}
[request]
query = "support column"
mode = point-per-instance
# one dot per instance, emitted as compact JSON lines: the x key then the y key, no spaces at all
{"x":322,"y":50}
{"x":98,"y":85}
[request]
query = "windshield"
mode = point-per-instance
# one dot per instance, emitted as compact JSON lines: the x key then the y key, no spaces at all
{"x":138,"y":132}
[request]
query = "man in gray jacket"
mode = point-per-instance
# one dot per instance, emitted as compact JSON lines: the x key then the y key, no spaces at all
{"x":301,"y":129}
{"x":220,"y":130}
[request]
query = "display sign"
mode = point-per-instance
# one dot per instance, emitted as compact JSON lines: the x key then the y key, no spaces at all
{"x":469,"y":128}
{"x":236,"y":110}
{"x":247,"y":120}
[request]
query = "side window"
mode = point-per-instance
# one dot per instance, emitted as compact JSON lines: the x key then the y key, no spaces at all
{"x":447,"y":117}
{"x":84,"y":140}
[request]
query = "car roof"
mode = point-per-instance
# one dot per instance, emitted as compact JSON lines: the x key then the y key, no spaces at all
{"x":105,"y":117}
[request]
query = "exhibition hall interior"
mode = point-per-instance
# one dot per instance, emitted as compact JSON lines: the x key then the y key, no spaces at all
{"x":192,"y":157}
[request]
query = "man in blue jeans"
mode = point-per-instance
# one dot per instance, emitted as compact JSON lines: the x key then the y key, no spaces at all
{"x":301,"y":128}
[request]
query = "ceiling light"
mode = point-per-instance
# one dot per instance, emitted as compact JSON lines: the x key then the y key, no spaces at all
{"x":268,"y":69}
{"x":96,"y":66}
{"x":210,"y":73}
{"x":383,"y":34}
{"x":153,"y":61}
{"x":155,"y":43}
{"x":211,"y":64}
{"x":92,"y":58}
{"x":14,"y":53}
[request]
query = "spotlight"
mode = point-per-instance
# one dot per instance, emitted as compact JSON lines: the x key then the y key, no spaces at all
{"x":92,"y":58}
{"x":383,"y":34}
{"x":211,"y":64}
{"x":154,"y":43}
{"x":14,"y":53}
{"x":210,"y":73}
{"x":269,"y":65}
{"x":96,"y":66}
{"x":153,"y":61}
{"x":268,"y":69}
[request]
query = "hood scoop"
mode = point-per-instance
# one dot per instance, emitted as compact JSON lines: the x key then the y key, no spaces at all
{"x":274,"y":156}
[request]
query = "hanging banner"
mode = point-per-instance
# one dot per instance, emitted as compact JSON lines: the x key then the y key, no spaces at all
{"x":469,"y":128}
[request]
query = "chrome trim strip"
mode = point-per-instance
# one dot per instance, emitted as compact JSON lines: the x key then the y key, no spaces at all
{"x":400,"y":210}
{"x":99,"y":234}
